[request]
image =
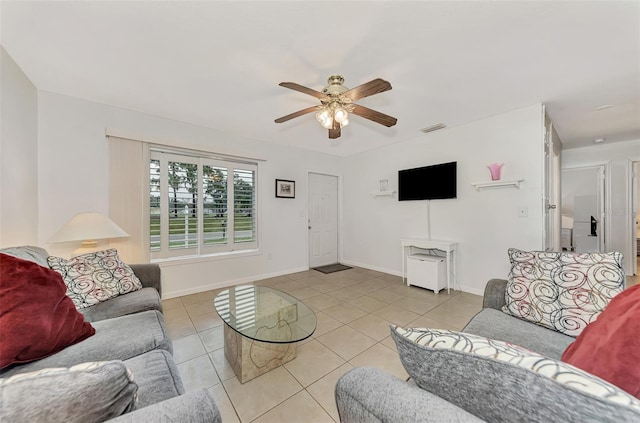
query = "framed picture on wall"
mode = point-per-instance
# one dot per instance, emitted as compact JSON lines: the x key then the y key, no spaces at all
{"x":285,"y":189}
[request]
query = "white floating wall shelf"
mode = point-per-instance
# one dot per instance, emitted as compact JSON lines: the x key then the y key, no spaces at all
{"x":497,"y":184}
{"x":383,"y":193}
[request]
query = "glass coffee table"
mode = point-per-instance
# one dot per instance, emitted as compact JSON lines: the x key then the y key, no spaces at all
{"x":262,"y":328}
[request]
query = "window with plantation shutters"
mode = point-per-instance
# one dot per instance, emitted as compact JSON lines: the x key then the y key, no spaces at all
{"x":200,"y":205}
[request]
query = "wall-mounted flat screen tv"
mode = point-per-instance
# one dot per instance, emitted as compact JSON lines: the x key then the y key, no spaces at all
{"x":435,"y":182}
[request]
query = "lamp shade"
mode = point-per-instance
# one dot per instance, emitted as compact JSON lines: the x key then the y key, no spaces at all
{"x":88,"y":227}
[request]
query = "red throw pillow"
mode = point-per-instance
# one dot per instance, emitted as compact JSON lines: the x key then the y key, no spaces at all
{"x":37,"y":319}
{"x":610,"y":347}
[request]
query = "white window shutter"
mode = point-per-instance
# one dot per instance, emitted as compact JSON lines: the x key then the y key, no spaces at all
{"x":129,"y":197}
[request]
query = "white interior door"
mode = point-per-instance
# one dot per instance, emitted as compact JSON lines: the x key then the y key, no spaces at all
{"x":552,"y":189}
{"x":323,"y":219}
{"x":602,"y":217}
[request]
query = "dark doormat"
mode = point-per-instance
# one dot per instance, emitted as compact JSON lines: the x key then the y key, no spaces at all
{"x":331,"y":268}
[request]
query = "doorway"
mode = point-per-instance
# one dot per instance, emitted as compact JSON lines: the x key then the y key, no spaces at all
{"x":583,"y":209}
{"x":634,"y":198}
{"x":552,"y":188}
{"x":323,"y":219}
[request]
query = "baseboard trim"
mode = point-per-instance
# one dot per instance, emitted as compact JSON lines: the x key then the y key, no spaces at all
{"x":368,"y":266}
{"x":474,"y":291}
{"x":227,"y":283}
{"x":249,"y":279}
{"x":463,"y":288}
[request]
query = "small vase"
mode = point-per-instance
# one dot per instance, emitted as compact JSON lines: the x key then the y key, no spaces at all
{"x":496,"y":169}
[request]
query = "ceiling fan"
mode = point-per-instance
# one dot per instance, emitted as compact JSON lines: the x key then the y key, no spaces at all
{"x":337,"y":101}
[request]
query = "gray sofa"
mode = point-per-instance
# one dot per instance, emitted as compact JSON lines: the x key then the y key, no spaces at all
{"x":370,"y":395}
{"x":131,"y":333}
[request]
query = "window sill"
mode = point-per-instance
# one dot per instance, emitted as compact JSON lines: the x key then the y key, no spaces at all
{"x":182,"y":260}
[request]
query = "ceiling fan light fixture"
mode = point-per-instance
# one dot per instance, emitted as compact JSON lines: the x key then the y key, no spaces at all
{"x":323,"y":116}
{"x":340,"y":115}
{"x":327,"y":123}
{"x":337,"y":102}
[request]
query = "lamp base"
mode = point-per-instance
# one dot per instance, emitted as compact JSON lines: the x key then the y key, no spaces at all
{"x":87,"y":247}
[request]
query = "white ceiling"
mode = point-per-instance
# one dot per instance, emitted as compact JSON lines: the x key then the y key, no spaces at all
{"x":218,"y":63}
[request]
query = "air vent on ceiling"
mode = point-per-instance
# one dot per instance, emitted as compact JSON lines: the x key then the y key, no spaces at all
{"x":433,"y":127}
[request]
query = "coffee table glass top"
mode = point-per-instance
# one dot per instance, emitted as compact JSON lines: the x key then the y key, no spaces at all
{"x":265,"y":314}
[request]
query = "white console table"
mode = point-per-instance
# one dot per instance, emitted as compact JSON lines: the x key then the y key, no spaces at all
{"x":448,"y":247}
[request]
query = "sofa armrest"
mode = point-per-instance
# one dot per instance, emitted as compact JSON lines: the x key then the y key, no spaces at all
{"x":149,"y":275}
{"x":494,"y":294}
{"x":367,"y":394}
{"x":192,"y":407}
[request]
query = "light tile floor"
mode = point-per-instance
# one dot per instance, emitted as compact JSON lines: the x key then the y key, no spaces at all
{"x":354,"y":309}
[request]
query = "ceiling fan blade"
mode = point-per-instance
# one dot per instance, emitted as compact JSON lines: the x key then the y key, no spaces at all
{"x":296,"y":114}
{"x":377,"y":117}
{"x":303,"y":89}
{"x":335,"y":131}
{"x":368,"y":88}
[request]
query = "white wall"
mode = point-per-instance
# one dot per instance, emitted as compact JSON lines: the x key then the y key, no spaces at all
{"x":73,"y":178}
{"x":18,"y":156}
{"x":484,"y":223}
{"x":618,"y":158}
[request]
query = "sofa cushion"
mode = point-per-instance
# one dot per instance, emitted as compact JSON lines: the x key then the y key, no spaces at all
{"x":192,"y":407}
{"x":562,"y":291}
{"x":30,"y":253}
{"x":367,"y":394}
{"x":157,"y":377}
{"x":133,"y":302}
{"x":610,"y":346}
{"x":95,"y":277}
{"x":494,"y":324}
{"x":37,"y":319}
{"x":88,"y":392}
{"x":501,"y":382}
{"x":116,"y":339}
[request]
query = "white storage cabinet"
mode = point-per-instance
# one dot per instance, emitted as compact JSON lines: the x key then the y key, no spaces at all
{"x":427,"y":271}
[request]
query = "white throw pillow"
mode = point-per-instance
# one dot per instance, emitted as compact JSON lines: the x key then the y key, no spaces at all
{"x":95,"y":277}
{"x":501,"y":382}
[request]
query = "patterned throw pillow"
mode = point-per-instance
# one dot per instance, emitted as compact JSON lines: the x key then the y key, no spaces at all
{"x":95,"y":277}
{"x":498,"y":381}
{"x":87,"y":392}
{"x":562,"y":291}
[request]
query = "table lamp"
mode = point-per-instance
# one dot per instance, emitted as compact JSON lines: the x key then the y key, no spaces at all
{"x":88,"y":228}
